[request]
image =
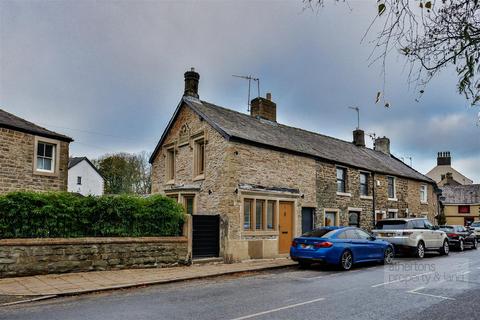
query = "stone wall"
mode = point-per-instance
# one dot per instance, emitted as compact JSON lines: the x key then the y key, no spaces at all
{"x":23,"y":257}
{"x":16,"y":164}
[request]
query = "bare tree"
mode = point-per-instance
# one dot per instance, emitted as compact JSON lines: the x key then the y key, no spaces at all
{"x":432,"y":35}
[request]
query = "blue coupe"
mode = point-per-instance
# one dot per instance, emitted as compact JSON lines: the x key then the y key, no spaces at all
{"x":340,"y":246}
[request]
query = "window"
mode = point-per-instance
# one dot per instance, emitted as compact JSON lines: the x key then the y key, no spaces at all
{"x":378,"y":216}
{"x":341,"y":180}
{"x":259,"y":205}
{"x":79,"y":181}
{"x":173,"y":196}
{"x":330,"y":219}
{"x":45,"y":157}
{"x":391,"y":187}
{"x":270,"y":215}
{"x":247,"y":214}
{"x":363,"y":235}
{"x":170,"y":164}
{"x":199,"y":158}
{"x":188,"y":203}
{"x":423,"y":193}
{"x":392,"y":214}
{"x":364,"y":183}
{"x":354,"y":219}
{"x":463,"y":209}
{"x":351,"y":234}
{"x":259,"y":214}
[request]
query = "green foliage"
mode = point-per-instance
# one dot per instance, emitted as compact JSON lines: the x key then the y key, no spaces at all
{"x":441,"y":219}
{"x":62,"y":214}
{"x":125,"y":173}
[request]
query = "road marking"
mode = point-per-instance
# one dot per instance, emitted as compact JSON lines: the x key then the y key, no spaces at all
{"x":414,"y":291}
{"x":404,"y":279}
{"x":464,"y":273}
{"x":278,"y":309}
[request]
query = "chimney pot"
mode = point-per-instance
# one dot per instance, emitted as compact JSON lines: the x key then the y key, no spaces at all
{"x":191,"y":83}
{"x":269,"y":96}
{"x":382,"y":145}
{"x":359,"y":138}
{"x":444,"y":158}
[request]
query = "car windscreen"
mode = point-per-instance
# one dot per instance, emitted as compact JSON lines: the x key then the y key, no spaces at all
{"x":475,"y":224}
{"x":391,"y":225}
{"x":319,"y":233}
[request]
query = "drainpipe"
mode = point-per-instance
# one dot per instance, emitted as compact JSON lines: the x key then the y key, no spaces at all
{"x":373,"y":198}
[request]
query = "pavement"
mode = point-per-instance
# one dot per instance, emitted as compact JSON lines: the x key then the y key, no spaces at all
{"x":84,"y":282}
{"x":434,"y":288}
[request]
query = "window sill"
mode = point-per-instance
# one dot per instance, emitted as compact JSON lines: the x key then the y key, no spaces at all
{"x":392,"y":199}
{"x":260,"y":233}
{"x":344,"y":194}
{"x":170,"y":182}
{"x":45,"y":173}
{"x":199,"y":177}
{"x":366,"y":197}
{"x":423,"y":202}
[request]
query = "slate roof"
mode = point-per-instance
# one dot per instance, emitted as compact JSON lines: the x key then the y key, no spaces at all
{"x":466,"y":194}
{"x":10,"y":121}
{"x":72,"y":162}
{"x":234,"y":125}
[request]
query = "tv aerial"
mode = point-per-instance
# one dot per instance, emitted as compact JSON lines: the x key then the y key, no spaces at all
{"x":358,"y":115}
{"x":250,"y":79}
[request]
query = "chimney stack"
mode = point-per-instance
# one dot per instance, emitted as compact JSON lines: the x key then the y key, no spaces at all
{"x":191,"y":83}
{"x":382,"y":145}
{"x":444,"y":158}
{"x":359,"y":138}
{"x":264,"y":108}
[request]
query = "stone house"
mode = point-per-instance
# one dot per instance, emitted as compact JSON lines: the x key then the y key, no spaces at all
{"x":32,"y":158}
{"x":84,"y":178}
{"x":461,"y":203}
{"x":443,"y":173}
{"x":252,"y":184}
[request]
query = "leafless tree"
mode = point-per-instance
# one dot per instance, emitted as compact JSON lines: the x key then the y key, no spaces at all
{"x":432,"y":35}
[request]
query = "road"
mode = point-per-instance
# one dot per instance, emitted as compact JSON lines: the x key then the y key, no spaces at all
{"x":433,"y":288}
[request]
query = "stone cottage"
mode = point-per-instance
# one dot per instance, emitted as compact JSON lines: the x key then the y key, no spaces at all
{"x":252,"y":184}
{"x":32,"y":158}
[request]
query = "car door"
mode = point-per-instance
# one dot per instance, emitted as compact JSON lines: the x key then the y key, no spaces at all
{"x":356,"y":244}
{"x":371,"y":247}
{"x":430,"y":235}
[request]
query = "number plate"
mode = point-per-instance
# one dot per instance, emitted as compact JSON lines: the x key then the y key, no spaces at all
{"x":306,"y":246}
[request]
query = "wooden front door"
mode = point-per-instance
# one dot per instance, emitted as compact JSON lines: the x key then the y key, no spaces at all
{"x":285,"y":226}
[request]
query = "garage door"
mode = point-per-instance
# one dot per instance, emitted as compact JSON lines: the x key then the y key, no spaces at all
{"x":206,"y":236}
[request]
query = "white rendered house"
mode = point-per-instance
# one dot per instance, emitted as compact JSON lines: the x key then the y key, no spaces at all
{"x":84,"y":178}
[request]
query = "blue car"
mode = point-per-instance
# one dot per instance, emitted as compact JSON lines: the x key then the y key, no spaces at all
{"x":340,"y":246}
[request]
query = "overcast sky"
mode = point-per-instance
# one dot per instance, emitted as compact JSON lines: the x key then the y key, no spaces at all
{"x":110,"y":74}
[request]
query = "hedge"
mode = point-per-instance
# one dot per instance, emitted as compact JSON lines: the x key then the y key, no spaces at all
{"x":62,"y":214}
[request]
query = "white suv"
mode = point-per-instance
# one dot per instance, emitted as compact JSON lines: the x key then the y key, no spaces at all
{"x":412,"y":235}
{"x":475,"y":226}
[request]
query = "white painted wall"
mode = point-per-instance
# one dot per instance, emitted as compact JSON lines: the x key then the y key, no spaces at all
{"x":92,"y":182}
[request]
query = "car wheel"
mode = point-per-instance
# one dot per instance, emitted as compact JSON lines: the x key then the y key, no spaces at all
{"x":461,"y":246}
{"x":388,"y":256}
{"x":445,"y":249}
{"x":420,"y":251}
{"x":346,"y":261}
{"x":304,"y":264}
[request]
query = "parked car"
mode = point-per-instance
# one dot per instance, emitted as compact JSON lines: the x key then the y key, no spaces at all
{"x":459,"y":237}
{"x":475,"y":226}
{"x":415,"y":236}
{"x":340,"y":246}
